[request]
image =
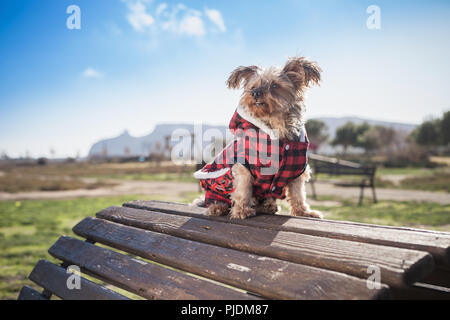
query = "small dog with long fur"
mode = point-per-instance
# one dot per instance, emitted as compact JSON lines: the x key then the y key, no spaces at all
{"x":268,"y":120}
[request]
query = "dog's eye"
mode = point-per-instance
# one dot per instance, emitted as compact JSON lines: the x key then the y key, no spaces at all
{"x":274,"y":86}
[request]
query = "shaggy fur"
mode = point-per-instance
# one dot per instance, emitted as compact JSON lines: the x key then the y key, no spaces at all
{"x":275,"y":97}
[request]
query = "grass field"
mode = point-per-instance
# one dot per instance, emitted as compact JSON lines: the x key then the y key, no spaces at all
{"x":425,"y":215}
{"x":29,"y":228}
{"x":437,"y":179}
{"x":18,"y":183}
{"x":69,"y":176}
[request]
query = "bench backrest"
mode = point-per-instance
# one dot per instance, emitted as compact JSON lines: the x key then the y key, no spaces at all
{"x":333,"y":166}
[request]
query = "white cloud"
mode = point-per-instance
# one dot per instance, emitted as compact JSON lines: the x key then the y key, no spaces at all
{"x":183,"y":20}
{"x":169,"y":21}
{"x":91,"y":73}
{"x":178,"y":19}
{"x":161,"y":7}
{"x":216,"y":17}
{"x":192,"y":24}
{"x":138,"y":16}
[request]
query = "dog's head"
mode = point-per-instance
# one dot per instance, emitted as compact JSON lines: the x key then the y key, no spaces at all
{"x":274,"y":90}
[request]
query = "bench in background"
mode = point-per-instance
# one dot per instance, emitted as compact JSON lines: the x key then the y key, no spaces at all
{"x":332,"y":166}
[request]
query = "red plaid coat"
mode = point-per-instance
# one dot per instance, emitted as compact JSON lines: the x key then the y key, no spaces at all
{"x":273,"y":163}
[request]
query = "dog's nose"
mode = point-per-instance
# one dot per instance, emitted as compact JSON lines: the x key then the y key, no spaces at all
{"x":256,"y":93}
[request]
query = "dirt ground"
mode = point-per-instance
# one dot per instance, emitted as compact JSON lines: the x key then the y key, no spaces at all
{"x":177,"y":189}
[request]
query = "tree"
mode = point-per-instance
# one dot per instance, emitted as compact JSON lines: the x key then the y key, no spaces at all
{"x":370,"y":140}
{"x":377,"y":138}
{"x":351,"y":134}
{"x":445,"y":128}
{"x":428,"y":133}
{"x":317,"y":132}
{"x":362,"y":129}
{"x":346,"y":136}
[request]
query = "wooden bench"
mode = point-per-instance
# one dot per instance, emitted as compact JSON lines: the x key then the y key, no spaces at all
{"x":162,"y":250}
{"x":332,"y":166}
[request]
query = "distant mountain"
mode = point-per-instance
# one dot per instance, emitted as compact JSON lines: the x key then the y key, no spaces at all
{"x":126,"y":145}
{"x":118,"y":146}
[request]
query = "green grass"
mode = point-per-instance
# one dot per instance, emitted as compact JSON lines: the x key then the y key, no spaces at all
{"x":407,"y":171}
{"x":29,"y":228}
{"x":438,"y":182}
{"x":14,"y":183}
{"x":395,"y":213}
{"x":437,"y":179}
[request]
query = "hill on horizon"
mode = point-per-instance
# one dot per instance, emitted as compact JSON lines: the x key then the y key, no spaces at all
{"x":126,"y":145}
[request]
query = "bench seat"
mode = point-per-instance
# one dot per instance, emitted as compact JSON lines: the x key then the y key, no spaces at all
{"x":164,"y":250}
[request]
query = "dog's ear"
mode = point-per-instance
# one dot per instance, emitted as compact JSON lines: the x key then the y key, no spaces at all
{"x":302,"y":72}
{"x":241,"y":74}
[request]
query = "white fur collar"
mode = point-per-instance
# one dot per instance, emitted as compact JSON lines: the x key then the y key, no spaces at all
{"x":256,"y":122}
{"x":261,"y":125}
{"x":200,"y":174}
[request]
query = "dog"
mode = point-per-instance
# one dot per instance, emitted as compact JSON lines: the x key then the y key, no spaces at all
{"x":269,"y":120}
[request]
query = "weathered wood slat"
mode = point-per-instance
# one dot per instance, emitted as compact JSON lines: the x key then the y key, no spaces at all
{"x":28,"y":293}
{"x":271,"y":278}
{"x":434,"y":242}
{"x":54,"y":279}
{"x":143,"y":204}
{"x":398,"y":267}
{"x":145,"y":279}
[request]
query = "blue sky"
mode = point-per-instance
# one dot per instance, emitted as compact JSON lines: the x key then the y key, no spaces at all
{"x":134,"y":64}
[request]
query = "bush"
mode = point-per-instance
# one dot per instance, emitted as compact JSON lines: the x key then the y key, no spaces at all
{"x":409,"y":155}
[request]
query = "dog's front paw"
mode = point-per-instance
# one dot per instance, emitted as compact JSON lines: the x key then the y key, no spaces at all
{"x":307,"y":213}
{"x":218,"y":209}
{"x":267,"y":206}
{"x":238,"y":212}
